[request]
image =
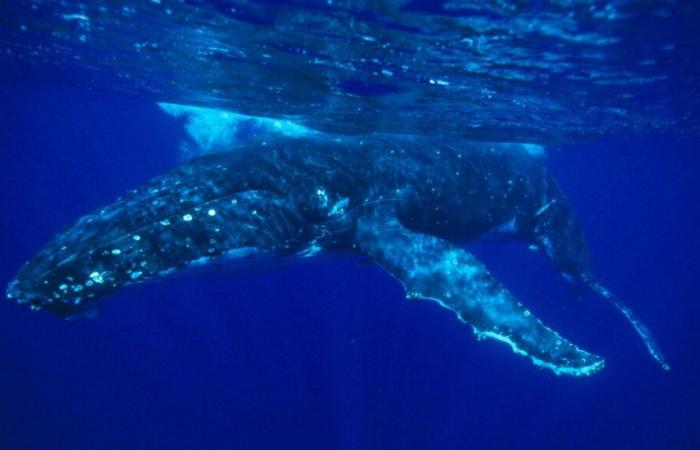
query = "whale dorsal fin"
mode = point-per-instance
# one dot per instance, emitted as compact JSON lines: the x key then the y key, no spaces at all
{"x":433,"y":269}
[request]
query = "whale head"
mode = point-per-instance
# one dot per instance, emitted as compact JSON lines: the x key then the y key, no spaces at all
{"x":185,"y":218}
{"x":96,"y":256}
{"x":69,"y":283}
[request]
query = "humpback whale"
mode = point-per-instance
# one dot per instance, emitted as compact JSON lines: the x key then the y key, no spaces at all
{"x":407,"y":203}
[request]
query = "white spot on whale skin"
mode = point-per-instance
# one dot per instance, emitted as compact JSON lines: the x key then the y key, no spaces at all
{"x":116,"y":251}
{"x":136,"y":237}
{"x":339,"y":207}
{"x":187,"y":217}
{"x":322,"y":196}
{"x":97,"y":277}
{"x":211,"y":212}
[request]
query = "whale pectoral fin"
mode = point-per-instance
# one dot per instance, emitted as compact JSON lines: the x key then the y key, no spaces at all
{"x":431,"y":268}
{"x":642,"y":330}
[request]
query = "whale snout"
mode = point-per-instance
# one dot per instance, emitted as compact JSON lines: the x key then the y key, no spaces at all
{"x":39,"y":297}
{"x":28,"y":292}
{"x":62,"y":287}
{"x":27,"y":288}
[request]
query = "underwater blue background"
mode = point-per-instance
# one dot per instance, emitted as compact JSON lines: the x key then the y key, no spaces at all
{"x":328,"y":353}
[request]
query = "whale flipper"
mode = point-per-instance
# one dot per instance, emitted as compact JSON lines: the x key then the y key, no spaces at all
{"x":555,"y":230}
{"x":434,"y":269}
{"x":642,"y":330}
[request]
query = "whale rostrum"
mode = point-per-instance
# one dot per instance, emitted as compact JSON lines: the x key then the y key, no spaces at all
{"x":408,"y":203}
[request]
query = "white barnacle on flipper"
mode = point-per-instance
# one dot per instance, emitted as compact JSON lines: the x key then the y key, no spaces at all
{"x":216,"y":130}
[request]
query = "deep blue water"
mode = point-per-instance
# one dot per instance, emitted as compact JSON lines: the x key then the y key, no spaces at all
{"x":329,"y":354}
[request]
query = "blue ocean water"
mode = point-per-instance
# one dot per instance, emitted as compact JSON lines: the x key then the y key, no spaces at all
{"x":328,"y":353}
